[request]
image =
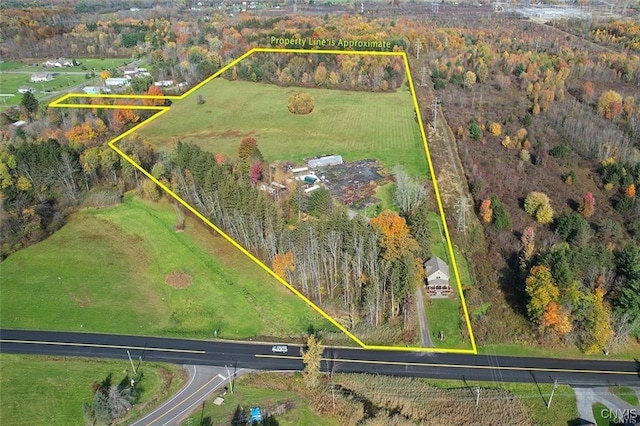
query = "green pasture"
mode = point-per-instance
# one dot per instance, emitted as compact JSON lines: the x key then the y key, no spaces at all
{"x":9,"y":65}
{"x":9,"y":84}
{"x":105,"y":271}
{"x":39,"y":390}
{"x":356,"y":125}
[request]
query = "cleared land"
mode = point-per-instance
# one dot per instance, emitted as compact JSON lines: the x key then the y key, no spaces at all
{"x":113,"y":263}
{"x":357,"y":125}
{"x":39,"y":390}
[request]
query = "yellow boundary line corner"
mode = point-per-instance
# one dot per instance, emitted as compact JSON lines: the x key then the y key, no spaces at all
{"x":161,"y":110}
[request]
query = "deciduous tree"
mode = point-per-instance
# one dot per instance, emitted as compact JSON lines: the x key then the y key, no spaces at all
{"x":312,"y":357}
{"x":588,"y":205}
{"x":538,"y":205}
{"x":610,"y":104}
{"x":396,"y":239}
{"x":486,"y":212}
{"x":542,"y":290}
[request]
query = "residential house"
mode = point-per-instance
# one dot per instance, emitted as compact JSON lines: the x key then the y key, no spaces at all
{"x":116,"y":82}
{"x":437,"y":270}
{"x":25,"y":89}
{"x":58,"y":63}
{"x":41,"y":77}
{"x":95,"y":90}
{"x":163,"y":83}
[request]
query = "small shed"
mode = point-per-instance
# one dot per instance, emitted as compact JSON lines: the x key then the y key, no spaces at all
{"x":437,"y":270}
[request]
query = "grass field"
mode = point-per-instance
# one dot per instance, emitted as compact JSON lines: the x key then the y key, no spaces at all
{"x":444,"y":315}
{"x":39,"y":390}
{"x":9,"y":84}
{"x":247,"y":395}
{"x":356,"y":125}
{"x":626,"y":394}
{"x":112,"y":263}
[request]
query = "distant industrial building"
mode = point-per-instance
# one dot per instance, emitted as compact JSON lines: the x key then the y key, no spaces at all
{"x":328,"y":160}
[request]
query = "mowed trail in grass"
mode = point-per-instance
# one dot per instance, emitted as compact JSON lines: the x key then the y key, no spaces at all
{"x":38,"y":390}
{"x":105,"y":271}
{"x":356,"y":125}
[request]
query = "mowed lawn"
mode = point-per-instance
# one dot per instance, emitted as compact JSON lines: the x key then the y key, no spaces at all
{"x":356,"y":125}
{"x":40,"y":390}
{"x":105,"y":271}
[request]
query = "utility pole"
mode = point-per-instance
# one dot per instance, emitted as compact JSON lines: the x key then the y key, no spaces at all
{"x":462,"y":207}
{"x":229,"y":378}
{"x":423,"y":76}
{"x":555,"y":386}
{"x":436,"y":102}
{"x":131,"y":361}
{"x":477,"y":391}
{"x":418,"y":46}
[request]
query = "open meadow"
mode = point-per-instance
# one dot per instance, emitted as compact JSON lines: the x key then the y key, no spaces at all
{"x":38,"y":390}
{"x":124,"y":269}
{"x":356,"y":125}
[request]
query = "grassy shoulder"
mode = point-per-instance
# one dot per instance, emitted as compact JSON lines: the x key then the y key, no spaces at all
{"x":626,"y":394}
{"x":629,"y":352}
{"x":356,"y":125}
{"x":51,"y":390}
{"x":114,"y":263}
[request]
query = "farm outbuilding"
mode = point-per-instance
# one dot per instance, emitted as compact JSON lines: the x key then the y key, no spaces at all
{"x":328,"y":160}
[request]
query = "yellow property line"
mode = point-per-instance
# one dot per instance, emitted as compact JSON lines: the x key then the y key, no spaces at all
{"x":98,"y":345}
{"x":465,"y":366}
{"x":163,"y":109}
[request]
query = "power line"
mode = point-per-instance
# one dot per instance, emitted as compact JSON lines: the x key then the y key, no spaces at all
{"x":462,"y":207}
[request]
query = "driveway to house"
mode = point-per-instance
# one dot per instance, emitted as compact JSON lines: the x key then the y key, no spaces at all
{"x":425,"y":336}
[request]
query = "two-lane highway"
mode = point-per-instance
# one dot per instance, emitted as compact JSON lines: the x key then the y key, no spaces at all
{"x":339,"y":359}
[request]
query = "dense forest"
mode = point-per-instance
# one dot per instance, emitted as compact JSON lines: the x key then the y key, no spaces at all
{"x":546,"y":122}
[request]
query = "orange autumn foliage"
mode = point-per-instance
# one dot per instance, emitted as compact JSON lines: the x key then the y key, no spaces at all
{"x":396,"y":239}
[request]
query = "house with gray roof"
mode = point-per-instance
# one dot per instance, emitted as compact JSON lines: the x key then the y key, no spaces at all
{"x":437,"y":270}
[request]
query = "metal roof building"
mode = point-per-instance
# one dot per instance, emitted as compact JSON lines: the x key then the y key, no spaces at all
{"x":328,"y":160}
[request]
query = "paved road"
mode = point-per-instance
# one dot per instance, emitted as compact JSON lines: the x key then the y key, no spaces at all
{"x":337,"y":359}
{"x":202,"y":383}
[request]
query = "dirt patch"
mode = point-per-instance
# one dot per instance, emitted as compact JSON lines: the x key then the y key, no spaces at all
{"x":178,"y":279}
{"x":80,"y":301}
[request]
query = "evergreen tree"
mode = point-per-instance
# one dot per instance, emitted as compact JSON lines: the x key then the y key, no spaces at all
{"x":30,"y":103}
